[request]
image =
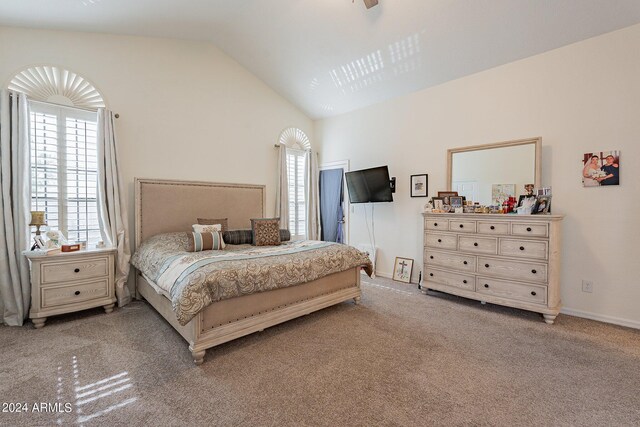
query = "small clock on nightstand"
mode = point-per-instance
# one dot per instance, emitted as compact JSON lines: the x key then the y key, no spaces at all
{"x":71,"y":281}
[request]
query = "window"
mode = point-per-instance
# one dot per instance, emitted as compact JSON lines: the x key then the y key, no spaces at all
{"x":64,"y":169}
{"x":297,"y":195}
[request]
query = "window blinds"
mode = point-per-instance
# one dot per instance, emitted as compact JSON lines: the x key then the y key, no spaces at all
{"x":64,"y":169}
{"x":297,"y":203}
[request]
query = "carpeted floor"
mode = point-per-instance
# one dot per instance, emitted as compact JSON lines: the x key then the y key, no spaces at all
{"x":399,"y":358}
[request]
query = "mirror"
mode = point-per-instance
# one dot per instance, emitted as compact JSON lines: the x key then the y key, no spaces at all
{"x":489,"y":173}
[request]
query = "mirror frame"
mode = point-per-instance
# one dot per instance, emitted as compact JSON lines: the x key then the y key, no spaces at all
{"x":538,"y":156}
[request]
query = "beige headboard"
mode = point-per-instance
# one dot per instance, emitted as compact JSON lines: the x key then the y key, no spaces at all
{"x":163,"y":206}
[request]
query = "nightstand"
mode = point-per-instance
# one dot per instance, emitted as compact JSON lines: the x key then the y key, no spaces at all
{"x":71,"y":281}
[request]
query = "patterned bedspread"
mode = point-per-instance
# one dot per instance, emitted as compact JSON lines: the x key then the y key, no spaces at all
{"x":194,"y":280}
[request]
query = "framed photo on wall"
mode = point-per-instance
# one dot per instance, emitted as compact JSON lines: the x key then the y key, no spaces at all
{"x":419,"y":185}
{"x":402,"y":270}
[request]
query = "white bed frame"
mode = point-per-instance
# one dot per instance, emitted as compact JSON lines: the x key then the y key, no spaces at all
{"x":165,"y":206}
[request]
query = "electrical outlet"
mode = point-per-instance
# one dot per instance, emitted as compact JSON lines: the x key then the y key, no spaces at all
{"x":587,"y":286}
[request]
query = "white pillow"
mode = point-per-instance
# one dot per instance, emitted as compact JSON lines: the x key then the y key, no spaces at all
{"x":210,"y":228}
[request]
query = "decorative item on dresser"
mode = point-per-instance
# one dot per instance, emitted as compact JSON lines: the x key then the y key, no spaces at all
{"x":502,"y":259}
{"x":70,"y":281}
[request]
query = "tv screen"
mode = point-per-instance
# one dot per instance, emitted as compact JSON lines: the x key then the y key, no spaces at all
{"x":369,"y":185}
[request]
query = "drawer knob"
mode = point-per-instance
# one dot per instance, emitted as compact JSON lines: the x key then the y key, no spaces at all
{"x":77,"y":270}
{"x":486,"y":285}
{"x":439,"y":240}
{"x":533,"y":293}
{"x":492,"y":227}
{"x":431,"y":274}
{"x":534,"y":271}
{"x":528,"y":228}
{"x":77,"y":293}
{"x":461,"y":226}
{"x":431,"y":256}
{"x":522,"y":248}
{"x":435,"y":224}
{"x":486,"y":265}
{"x":475,"y":244}
{"x":464,"y":281}
{"x":464,"y":262}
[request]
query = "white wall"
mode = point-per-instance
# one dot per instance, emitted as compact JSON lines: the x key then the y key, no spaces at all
{"x":579,"y":98}
{"x":187,"y":110}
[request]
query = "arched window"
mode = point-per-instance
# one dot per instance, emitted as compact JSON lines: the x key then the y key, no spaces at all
{"x":297,"y":143}
{"x":64,"y":170}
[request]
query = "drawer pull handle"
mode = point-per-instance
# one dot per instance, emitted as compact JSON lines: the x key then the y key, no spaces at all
{"x":435,"y":224}
{"x":439,"y":240}
{"x":464,"y":281}
{"x":534,"y":271}
{"x":522,"y":248}
{"x":533,"y":293}
{"x":431,"y":256}
{"x":486,"y":286}
{"x":77,"y":270}
{"x":431,"y":274}
{"x":492,"y":227}
{"x":464,"y":262}
{"x":528,"y":228}
{"x":475,"y":244}
{"x":486,"y":265}
{"x":461,"y":226}
{"x":77,"y":293}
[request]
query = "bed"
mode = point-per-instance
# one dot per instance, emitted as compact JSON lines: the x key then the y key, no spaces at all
{"x":212,"y":316}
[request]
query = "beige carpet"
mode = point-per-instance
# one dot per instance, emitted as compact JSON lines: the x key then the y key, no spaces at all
{"x":399,"y":358}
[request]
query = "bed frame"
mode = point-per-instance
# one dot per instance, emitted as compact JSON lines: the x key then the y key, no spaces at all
{"x":163,"y":206}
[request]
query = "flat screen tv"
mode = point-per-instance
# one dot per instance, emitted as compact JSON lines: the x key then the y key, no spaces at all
{"x":369,"y":185}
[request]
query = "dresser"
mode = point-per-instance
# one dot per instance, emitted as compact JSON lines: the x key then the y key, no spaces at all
{"x":510,"y":260}
{"x":73,"y":281}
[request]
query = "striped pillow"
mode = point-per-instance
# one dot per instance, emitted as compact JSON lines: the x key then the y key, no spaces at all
{"x":205,"y":241}
{"x":245,"y":237}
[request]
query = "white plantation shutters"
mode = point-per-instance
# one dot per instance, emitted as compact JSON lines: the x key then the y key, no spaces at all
{"x":64,"y":169}
{"x":297,"y":201}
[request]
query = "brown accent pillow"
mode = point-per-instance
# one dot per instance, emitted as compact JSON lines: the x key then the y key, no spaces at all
{"x":224,"y":222}
{"x":266,"y":231}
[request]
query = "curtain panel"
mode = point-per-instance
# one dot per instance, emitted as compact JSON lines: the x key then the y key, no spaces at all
{"x":312,"y":179}
{"x":282,"y":189}
{"x":15,"y":186}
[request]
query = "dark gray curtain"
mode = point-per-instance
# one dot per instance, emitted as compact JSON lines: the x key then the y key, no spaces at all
{"x":331,"y":196}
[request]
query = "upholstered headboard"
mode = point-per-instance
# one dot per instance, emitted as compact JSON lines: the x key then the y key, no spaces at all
{"x":164,"y":206}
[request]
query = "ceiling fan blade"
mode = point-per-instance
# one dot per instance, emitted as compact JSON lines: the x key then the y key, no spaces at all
{"x":370,"y":3}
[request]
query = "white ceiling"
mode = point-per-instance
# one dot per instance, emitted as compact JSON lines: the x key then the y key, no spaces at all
{"x":333,"y":56}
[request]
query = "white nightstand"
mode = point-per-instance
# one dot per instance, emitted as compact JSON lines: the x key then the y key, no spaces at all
{"x":71,"y":281}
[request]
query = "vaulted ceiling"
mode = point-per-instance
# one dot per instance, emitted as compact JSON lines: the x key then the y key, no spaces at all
{"x":334,"y":56}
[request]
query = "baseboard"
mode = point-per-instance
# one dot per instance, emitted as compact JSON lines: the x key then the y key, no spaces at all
{"x":390,"y":276}
{"x":601,"y":318}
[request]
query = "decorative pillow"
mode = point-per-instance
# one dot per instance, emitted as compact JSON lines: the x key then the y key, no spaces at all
{"x":222,"y":221}
{"x":211,"y":228}
{"x":266,"y":231}
{"x":205,"y":241}
{"x":245,"y":237}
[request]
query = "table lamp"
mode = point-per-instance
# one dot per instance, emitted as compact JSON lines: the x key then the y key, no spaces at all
{"x":37,"y":220}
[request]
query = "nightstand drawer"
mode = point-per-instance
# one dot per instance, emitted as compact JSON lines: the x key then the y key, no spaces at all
{"x":65,"y":295}
{"x":62,"y":272}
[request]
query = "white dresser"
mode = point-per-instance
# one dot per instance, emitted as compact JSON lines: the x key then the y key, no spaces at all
{"x":73,"y":281}
{"x":511,"y":260}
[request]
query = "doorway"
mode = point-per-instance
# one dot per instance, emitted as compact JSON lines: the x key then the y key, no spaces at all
{"x":334,"y":209}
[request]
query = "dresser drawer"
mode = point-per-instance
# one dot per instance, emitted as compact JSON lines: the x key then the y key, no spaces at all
{"x":528,"y":229}
{"x":515,"y":291}
{"x":462,"y":226}
{"x":436,"y":224}
{"x":442,"y":241}
{"x":450,"y":279}
{"x":488,"y":227}
{"x":450,"y":260}
{"x":62,"y":272}
{"x":72,"y":294}
{"x":524,"y":248}
{"x":481,"y":245}
{"x":527,"y":271}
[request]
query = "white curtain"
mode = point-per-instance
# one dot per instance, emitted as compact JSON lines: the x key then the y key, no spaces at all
{"x":15,"y":286}
{"x":112,"y":206}
{"x":282,"y":188}
{"x":312,"y":179}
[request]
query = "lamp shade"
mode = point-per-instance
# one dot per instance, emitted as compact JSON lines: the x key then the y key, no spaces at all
{"x":37,"y":218}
